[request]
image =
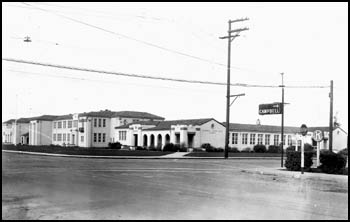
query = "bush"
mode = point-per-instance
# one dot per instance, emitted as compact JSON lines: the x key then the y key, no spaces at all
{"x":246,"y":150}
{"x":206,"y":145}
{"x":333,"y":163}
{"x":259,"y":148}
{"x":140,"y":148}
{"x":275,"y":149}
{"x":115,"y":145}
{"x":344,"y":152}
{"x":233,"y":150}
{"x":152,"y":148}
{"x":290,"y":149}
{"x":308,"y":148}
{"x":169,"y":147}
{"x":293,"y":161}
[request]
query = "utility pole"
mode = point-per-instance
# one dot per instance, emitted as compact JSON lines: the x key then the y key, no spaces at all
{"x":331,"y":119}
{"x":230,"y":38}
{"x":282,"y":107}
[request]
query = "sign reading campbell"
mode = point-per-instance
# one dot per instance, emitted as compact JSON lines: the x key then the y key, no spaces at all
{"x":273,"y":108}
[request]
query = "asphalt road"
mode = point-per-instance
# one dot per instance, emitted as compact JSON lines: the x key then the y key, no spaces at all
{"x":43,"y":187}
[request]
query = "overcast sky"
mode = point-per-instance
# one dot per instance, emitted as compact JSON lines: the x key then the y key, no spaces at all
{"x":306,"y":41}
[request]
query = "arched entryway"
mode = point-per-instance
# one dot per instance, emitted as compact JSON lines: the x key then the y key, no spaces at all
{"x":167,"y":138}
{"x":159,"y":141}
{"x":152,"y":141}
{"x":145,"y":140}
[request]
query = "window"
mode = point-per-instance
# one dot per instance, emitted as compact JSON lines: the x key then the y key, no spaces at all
{"x":245,"y":138}
{"x":234,"y":138}
{"x":276,"y":140}
{"x":260,"y":138}
{"x":122,"y":135}
{"x":95,"y":137}
{"x":99,"y":122}
{"x":69,"y":124}
{"x":267,"y":139}
{"x":284,"y":139}
{"x":59,"y":125}
{"x":95,"y":122}
{"x":54,"y":125}
{"x":99,"y":137}
{"x":54,"y":137}
{"x":104,"y":123}
{"x":75,"y":123}
{"x":252,"y":138}
{"x":68,"y":137}
{"x":59,"y":137}
{"x":289,"y":140}
{"x":82,"y":139}
{"x":64,"y":137}
{"x":64,"y":124}
{"x":125,"y":122}
{"x":103,"y":137}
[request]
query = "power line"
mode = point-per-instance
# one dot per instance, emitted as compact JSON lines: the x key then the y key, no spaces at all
{"x":146,"y":76}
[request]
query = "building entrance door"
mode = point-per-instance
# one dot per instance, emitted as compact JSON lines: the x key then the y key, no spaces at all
{"x":73,"y":139}
{"x":190,"y":137}
{"x":135,"y":139}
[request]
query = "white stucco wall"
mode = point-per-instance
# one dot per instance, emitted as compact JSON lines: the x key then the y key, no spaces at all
{"x":215,"y":136}
{"x":40,"y":132}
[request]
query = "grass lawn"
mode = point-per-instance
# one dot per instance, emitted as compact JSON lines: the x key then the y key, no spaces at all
{"x":221,"y":154}
{"x":83,"y":151}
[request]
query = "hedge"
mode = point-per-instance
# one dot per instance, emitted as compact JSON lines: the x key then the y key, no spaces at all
{"x":259,"y":148}
{"x":293,"y":161}
{"x":333,"y":163}
{"x":274,"y":149}
{"x":116,"y":145}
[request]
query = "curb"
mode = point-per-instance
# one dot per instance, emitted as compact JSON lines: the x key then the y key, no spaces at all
{"x":128,"y":157}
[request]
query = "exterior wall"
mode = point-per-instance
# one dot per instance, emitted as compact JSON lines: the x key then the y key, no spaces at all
{"x":156,"y":133}
{"x":87,"y":130}
{"x":215,"y":136}
{"x":7,"y":133}
{"x":40,"y":132}
{"x":71,"y":138}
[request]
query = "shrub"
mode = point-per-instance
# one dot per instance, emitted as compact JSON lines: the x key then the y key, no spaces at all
{"x":140,"y":148}
{"x":169,"y":147}
{"x":183,"y":149}
{"x":333,"y":163}
{"x":293,"y":161}
{"x":246,"y":150}
{"x":115,"y":145}
{"x":344,"y":152}
{"x":259,"y":148}
{"x":206,"y":145}
{"x":233,"y":150}
{"x":152,"y":148}
{"x":289,"y":149}
{"x":274,"y":149}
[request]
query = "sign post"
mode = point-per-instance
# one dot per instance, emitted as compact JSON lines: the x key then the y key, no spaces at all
{"x":318,"y":137}
{"x":303,"y":131}
{"x":272,"y":108}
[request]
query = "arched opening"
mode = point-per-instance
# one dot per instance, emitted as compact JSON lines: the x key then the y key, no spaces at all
{"x":167,"y":138}
{"x":152,"y":141}
{"x":145,"y":140}
{"x":159,"y":141}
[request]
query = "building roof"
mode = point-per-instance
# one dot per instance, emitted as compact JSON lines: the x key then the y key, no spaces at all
{"x":20,"y":120}
{"x":135,"y":114}
{"x":269,"y":128}
{"x":165,"y":125}
{"x":103,"y":113}
{"x":45,"y":117}
{"x":68,"y":116}
{"x":9,"y":121}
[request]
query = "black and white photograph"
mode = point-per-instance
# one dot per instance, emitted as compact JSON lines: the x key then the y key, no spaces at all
{"x":174,"y":110}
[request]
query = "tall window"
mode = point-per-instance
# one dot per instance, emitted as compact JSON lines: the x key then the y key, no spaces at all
{"x":99,"y":122}
{"x":54,"y":125}
{"x":95,"y":122}
{"x":59,"y":125}
{"x":289,"y":140}
{"x":64,"y":137}
{"x":75,"y":123}
{"x":99,"y":137}
{"x":260,"y":139}
{"x":82,"y":139}
{"x":234,"y":138}
{"x":245,"y":138}
{"x":104,"y":123}
{"x":64,"y":124}
{"x":59,"y":137}
{"x":276,"y":140}
{"x":122,"y":135}
{"x":103,"y":137}
{"x":68,"y":137}
{"x":267,"y":139}
{"x":95,"y":137}
{"x":252,"y":138}
{"x":70,"y":124}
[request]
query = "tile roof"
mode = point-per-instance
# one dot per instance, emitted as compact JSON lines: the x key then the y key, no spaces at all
{"x":126,"y":126}
{"x":45,"y":117}
{"x":68,"y":116}
{"x":103,"y":113}
{"x":135,"y":114}
{"x":166,"y":125}
{"x":20,"y":120}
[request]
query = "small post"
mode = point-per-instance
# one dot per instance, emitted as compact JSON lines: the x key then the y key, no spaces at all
{"x":318,"y":154}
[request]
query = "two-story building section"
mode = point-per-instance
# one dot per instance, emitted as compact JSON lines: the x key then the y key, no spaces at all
{"x":65,"y":130}
{"x":15,"y":131}
{"x":40,"y":130}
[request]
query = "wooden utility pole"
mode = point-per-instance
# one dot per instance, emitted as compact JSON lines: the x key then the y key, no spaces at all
{"x":331,"y":119}
{"x":282,"y":130}
{"x":230,"y":38}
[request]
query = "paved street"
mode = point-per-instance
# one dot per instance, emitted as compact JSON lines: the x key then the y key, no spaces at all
{"x":44,"y":187}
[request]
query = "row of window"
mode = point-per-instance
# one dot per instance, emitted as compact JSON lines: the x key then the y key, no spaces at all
{"x":61,"y":137}
{"x":65,"y":124}
{"x":101,"y":122}
{"x":99,"y":137}
{"x":244,"y":139}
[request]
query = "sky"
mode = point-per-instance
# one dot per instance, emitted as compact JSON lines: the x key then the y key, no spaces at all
{"x":308,"y":42}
